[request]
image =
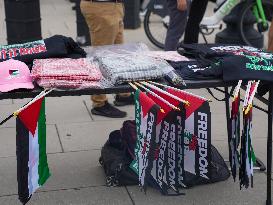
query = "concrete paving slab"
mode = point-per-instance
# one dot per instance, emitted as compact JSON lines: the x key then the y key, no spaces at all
{"x":66,"y":110}
{"x":70,"y":109}
{"x":222,"y":193}
{"x":5,"y":102}
{"x":222,"y":147}
{"x":258,"y":144}
{"x":7,"y":110}
{"x":84,"y":196}
{"x":8,"y":174}
{"x":3,"y":32}
{"x":68,"y":170}
{"x":74,"y":170}
{"x":87,"y":136}
{"x":8,"y":139}
{"x":260,"y":148}
{"x":53,"y":24}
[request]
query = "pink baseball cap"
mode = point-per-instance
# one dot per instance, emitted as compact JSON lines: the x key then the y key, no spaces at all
{"x":14,"y":74}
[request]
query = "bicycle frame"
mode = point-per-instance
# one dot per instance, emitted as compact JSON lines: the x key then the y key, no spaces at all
{"x":258,"y":12}
{"x":224,"y":10}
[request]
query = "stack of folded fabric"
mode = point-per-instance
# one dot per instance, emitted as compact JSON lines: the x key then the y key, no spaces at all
{"x":66,"y":73}
{"x":173,"y":56}
{"x":121,"y":68}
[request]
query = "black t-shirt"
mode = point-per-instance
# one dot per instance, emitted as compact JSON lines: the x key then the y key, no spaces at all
{"x":54,"y":47}
{"x":236,"y":62}
{"x":191,"y":70}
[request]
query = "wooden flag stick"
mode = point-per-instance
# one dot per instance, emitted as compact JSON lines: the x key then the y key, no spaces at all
{"x":237,"y":89}
{"x":133,"y":86}
{"x":247,"y":93}
{"x":166,"y":93}
{"x":6,"y":119}
{"x":254,"y":92}
{"x":42,"y":94}
{"x":176,"y":89}
{"x":160,"y":98}
{"x":252,"y":97}
{"x":136,"y":88}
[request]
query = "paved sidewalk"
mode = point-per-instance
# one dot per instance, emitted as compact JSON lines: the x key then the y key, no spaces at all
{"x":75,"y":137}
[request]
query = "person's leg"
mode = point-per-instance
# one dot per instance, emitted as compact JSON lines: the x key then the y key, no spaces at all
{"x":197,"y":11}
{"x":178,"y":21}
{"x":121,"y":99}
{"x":97,"y":31}
{"x":103,"y":27}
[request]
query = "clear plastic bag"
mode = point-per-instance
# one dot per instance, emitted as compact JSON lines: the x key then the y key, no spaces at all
{"x":96,"y":51}
{"x":68,"y":73}
{"x":119,"y":68}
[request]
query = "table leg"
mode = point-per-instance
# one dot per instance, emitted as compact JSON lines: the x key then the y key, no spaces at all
{"x":269,"y":147}
{"x":228,"y":118}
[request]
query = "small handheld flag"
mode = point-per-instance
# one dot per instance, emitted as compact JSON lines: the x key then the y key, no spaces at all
{"x":32,"y":166}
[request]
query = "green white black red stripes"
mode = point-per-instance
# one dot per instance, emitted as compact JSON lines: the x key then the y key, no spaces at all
{"x":32,"y":166}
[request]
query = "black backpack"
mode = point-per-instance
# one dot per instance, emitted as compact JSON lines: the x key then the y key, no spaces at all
{"x":219,"y":171}
{"x":115,"y":160}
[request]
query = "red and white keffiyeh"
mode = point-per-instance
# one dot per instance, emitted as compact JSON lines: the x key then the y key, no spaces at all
{"x":66,"y":73}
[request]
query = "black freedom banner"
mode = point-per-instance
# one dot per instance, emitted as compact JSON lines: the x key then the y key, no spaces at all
{"x":146,"y":116}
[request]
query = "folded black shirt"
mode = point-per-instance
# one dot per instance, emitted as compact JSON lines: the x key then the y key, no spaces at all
{"x":193,"y":70}
{"x":236,"y":62}
{"x":54,"y":47}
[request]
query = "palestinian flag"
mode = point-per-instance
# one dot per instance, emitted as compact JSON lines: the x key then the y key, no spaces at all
{"x":146,"y":115}
{"x":247,"y":155}
{"x":32,"y":167}
{"x":248,"y":158}
{"x":235,"y":135}
{"x":197,"y":134}
{"x":168,"y":165}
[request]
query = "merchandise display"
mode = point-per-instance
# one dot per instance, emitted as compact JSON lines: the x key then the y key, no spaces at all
{"x":119,"y":68}
{"x":32,"y":166}
{"x":247,"y":155}
{"x":235,"y":132}
{"x":66,"y":73}
{"x":53,"y":47}
{"x":142,"y":50}
{"x":167,"y":136}
{"x":125,"y":48}
{"x":14,"y":74}
{"x":232,"y":62}
{"x":172,"y":56}
{"x":168,"y":146}
{"x":194,"y":70}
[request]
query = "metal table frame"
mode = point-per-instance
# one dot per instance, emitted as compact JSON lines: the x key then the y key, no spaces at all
{"x":194,"y":84}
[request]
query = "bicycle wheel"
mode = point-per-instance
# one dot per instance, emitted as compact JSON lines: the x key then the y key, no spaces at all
{"x":155,"y":27}
{"x":250,"y":29}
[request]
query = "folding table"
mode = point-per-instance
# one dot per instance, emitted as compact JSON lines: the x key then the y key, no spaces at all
{"x":191,"y":84}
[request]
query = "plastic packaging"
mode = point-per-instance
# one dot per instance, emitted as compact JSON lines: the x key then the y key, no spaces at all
{"x":66,"y":73}
{"x":119,"y":68}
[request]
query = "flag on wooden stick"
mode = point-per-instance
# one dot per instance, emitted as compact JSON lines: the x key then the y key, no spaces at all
{"x":235,"y":133}
{"x":146,"y":115}
{"x":32,"y":166}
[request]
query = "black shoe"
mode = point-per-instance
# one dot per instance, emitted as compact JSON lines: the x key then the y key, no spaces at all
{"x":122,"y":101}
{"x":108,"y":110}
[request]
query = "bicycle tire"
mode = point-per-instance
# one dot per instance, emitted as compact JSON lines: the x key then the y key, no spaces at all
{"x":147,"y":29}
{"x":268,"y":8}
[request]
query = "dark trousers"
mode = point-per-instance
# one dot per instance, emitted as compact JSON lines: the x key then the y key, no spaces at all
{"x":178,"y":21}
{"x":197,"y":11}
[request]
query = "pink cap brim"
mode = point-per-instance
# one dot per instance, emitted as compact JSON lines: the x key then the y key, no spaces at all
{"x":7,"y":88}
